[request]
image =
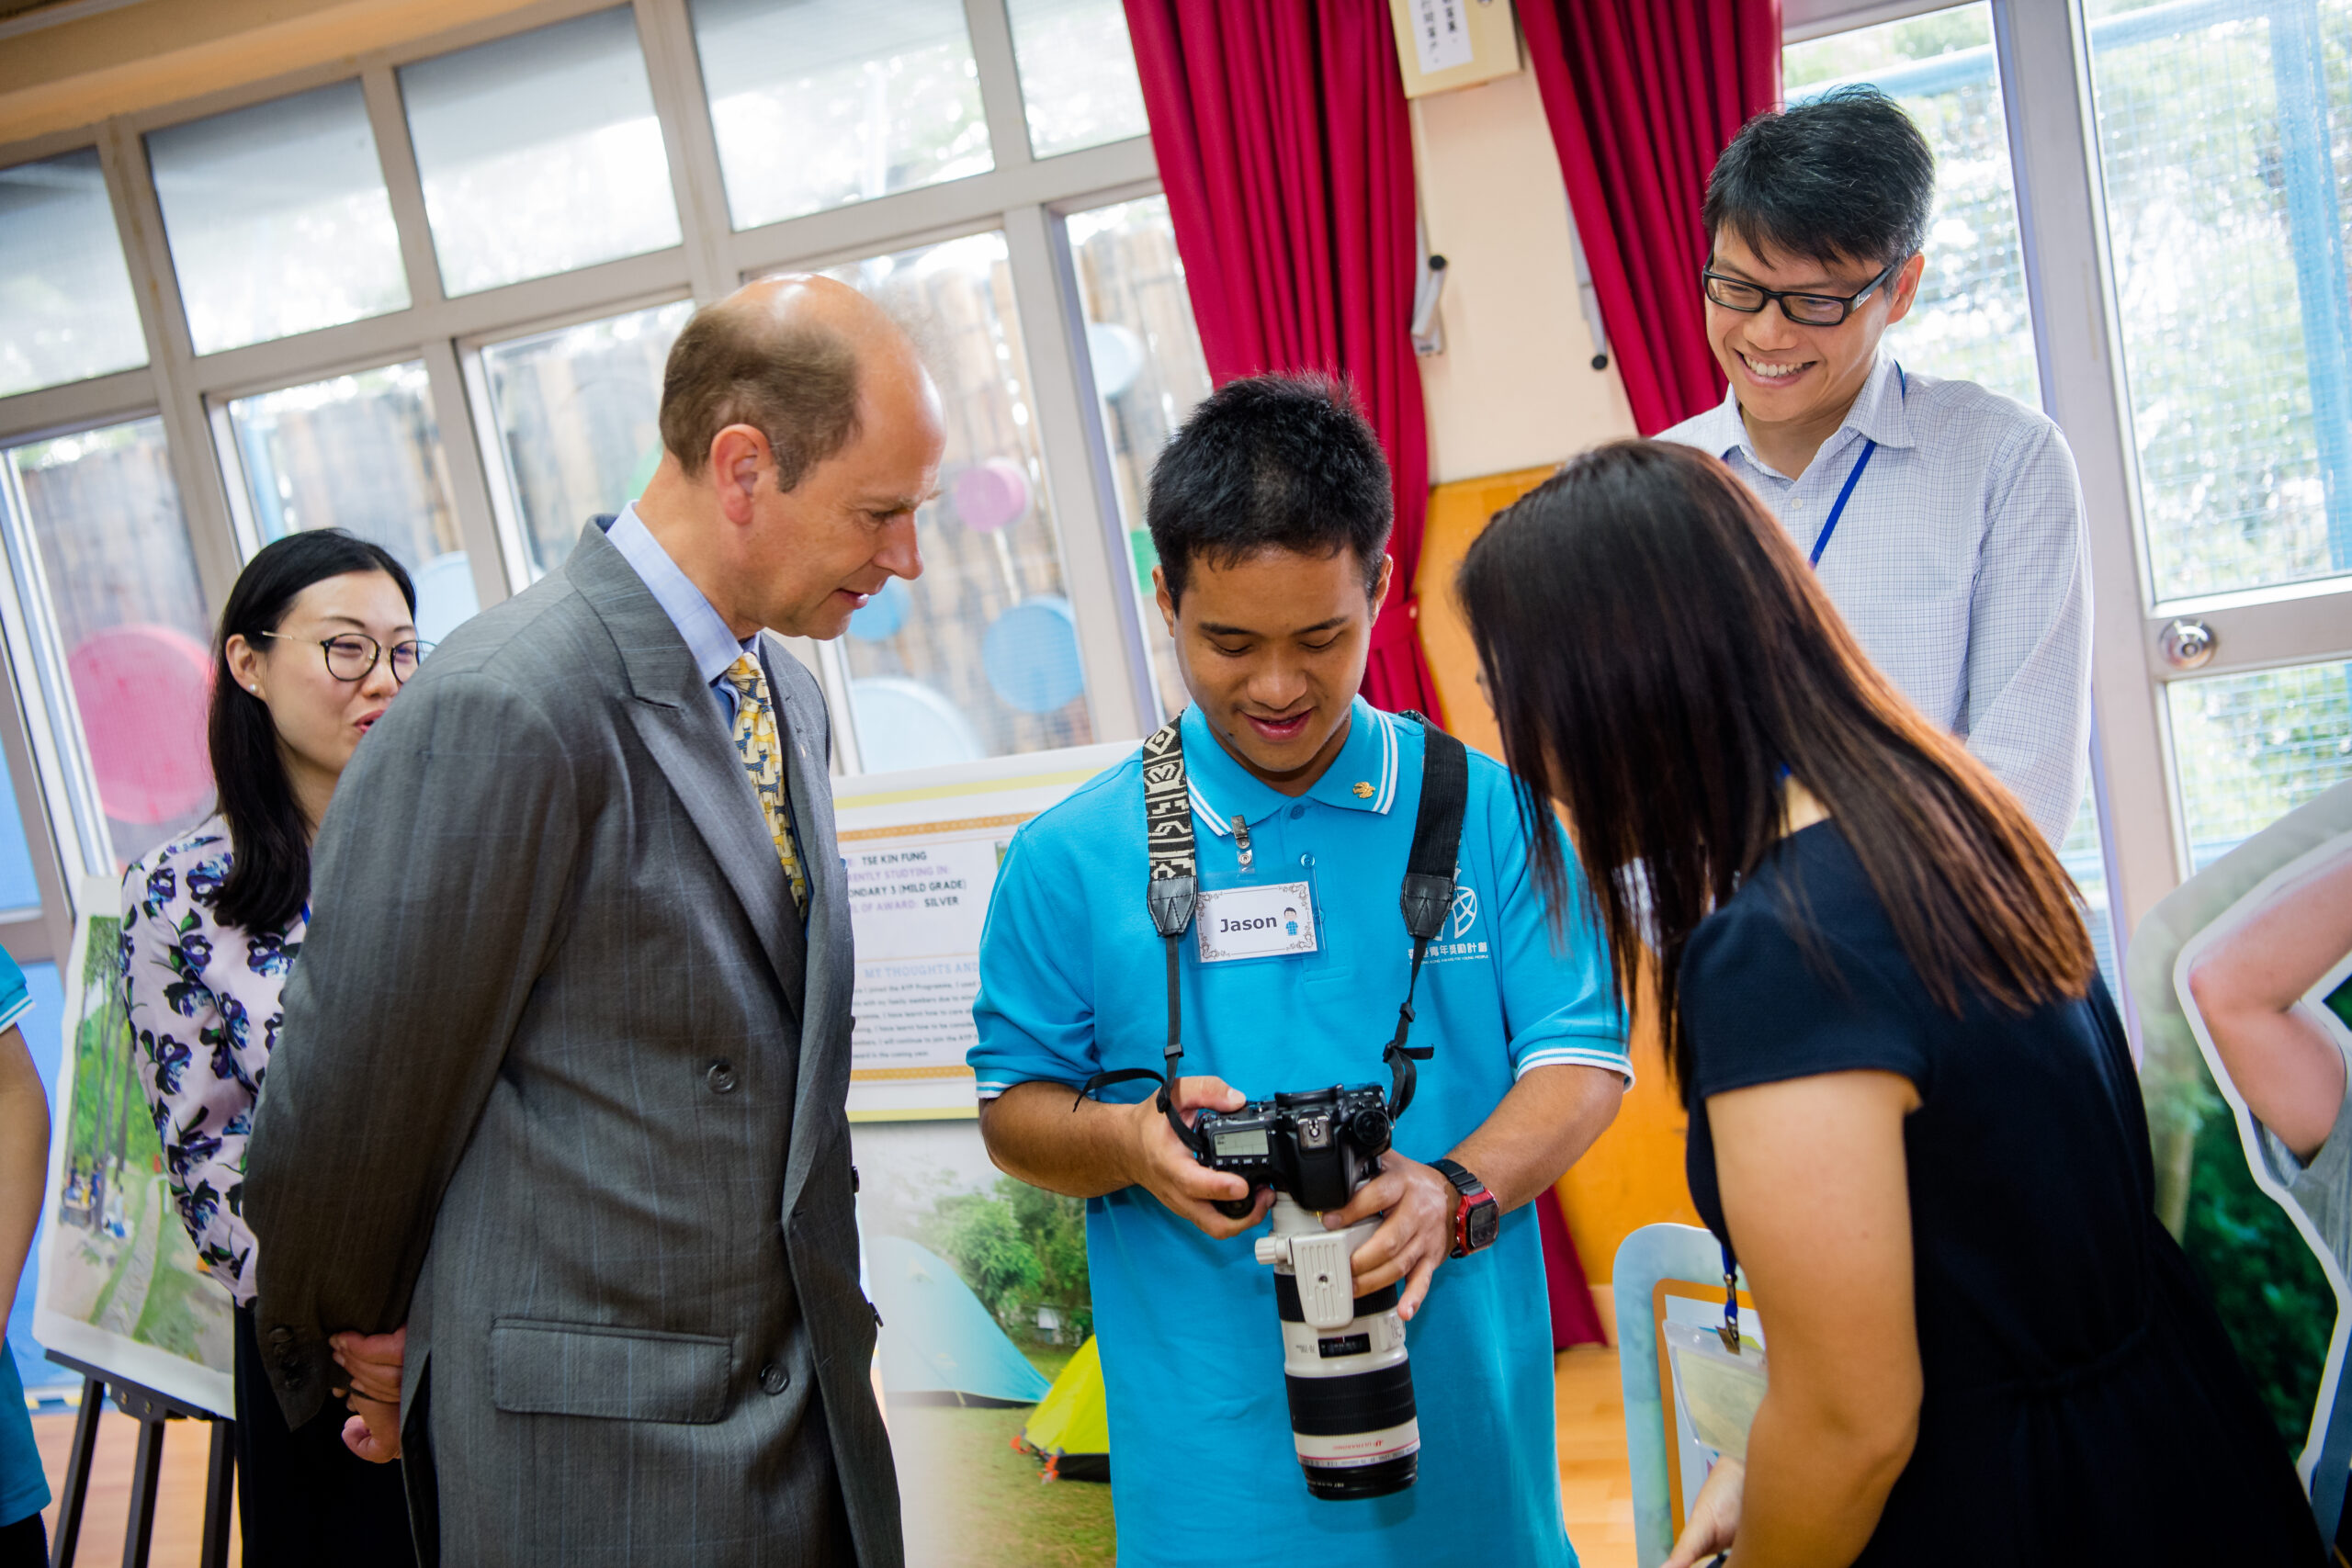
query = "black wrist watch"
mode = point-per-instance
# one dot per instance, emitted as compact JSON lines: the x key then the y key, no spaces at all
{"x":1476,"y":1215}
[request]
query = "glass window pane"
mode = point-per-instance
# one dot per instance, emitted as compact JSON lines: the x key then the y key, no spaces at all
{"x":1077,"y":73}
{"x":1148,"y":372}
{"x":2226,"y":192}
{"x":978,"y":656}
{"x":66,"y":310}
{"x":818,"y":102}
{"x":541,"y":152}
{"x":277,"y":219}
{"x":578,"y":418}
{"x":2251,"y":748}
{"x":1971,"y":321}
{"x":104,"y":513}
{"x":361,"y":453}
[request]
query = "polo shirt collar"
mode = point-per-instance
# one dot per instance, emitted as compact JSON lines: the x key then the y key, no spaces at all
{"x":1880,"y":413}
{"x":1221,"y":787}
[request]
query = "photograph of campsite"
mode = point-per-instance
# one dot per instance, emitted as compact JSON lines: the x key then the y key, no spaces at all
{"x":988,"y":1366}
{"x":119,"y":1259}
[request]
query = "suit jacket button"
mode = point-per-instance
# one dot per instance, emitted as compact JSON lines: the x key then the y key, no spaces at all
{"x":774,"y":1379}
{"x":721,"y":1077}
{"x":281,"y":1334}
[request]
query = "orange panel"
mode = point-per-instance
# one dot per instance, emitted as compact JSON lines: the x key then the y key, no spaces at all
{"x":1633,"y":1175}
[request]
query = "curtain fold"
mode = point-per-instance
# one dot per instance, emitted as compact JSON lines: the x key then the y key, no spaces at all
{"x":1641,"y":96}
{"x":1281,"y":131}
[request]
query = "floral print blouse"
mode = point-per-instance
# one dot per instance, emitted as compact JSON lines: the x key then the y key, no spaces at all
{"x":204,"y":1006}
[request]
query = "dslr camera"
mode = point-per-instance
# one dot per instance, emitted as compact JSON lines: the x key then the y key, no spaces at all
{"x":1351,"y":1413}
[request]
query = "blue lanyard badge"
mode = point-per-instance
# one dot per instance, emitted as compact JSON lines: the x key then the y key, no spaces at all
{"x":1853,"y":478}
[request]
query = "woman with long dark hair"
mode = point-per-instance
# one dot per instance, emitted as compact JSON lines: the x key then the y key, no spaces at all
{"x":1913,"y":1113}
{"x":318,"y":635}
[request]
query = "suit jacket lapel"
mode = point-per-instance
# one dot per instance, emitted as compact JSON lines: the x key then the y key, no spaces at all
{"x":682,"y":725}
{"x":830,"y":967}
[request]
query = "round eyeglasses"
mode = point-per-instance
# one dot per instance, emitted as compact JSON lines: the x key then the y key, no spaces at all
{"x":353,"y":656}
{"x":1804,"y":310}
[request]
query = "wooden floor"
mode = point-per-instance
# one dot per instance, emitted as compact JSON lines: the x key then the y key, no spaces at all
{"x":1595,"y":1493}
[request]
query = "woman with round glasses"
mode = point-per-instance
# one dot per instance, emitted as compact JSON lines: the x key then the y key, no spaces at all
{"x":1944,"y":520}
{"x":317,"y":638}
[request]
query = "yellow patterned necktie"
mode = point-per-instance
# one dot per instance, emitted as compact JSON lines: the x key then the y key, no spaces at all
{"x":756,"y":743}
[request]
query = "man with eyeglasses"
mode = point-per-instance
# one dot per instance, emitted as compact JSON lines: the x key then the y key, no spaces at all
{"x":1944,"y":519}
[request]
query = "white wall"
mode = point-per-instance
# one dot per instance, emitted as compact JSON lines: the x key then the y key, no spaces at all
{"x":1515,"y":387}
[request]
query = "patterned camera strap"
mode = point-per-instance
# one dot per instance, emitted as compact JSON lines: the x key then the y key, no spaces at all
{"x":1174,"y":890}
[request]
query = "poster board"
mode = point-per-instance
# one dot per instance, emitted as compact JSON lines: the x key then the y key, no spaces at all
{"x":1701,"y":1306}
{"x":921,"y":851}
{"x":121,"y":1287}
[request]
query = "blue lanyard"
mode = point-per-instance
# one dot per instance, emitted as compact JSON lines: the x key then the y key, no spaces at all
{"x":1852,"y":478}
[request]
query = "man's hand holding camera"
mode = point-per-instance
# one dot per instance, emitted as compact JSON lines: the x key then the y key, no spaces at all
{"x":1157,"y":1161}
{"x":1416,"y":1237}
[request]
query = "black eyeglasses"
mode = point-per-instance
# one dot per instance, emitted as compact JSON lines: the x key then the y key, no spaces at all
{"x":1804,"y":310}
{"x":354,"y":655}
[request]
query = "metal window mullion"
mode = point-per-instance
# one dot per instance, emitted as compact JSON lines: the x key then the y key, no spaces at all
{"x":513,"y":545}
{"x":403,"y":185}
{"x":2046,"y":98}
{"x":55,"y":874}
{"x":666,"y":33}
{"x":454,"y":416}
{"x":171,"y":359}
{"x":77,"y":405}
{"x":894,"y":222}
{"x":990,"y":25}
{"x":57,"y":756}
{"x":1077,"y":477}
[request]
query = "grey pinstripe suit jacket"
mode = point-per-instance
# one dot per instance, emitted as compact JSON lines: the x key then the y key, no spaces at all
{"x":561,"y":1086}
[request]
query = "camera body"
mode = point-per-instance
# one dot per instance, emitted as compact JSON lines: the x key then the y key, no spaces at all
{"x":1344,"y":1366}
{"x":1315,"y":1148}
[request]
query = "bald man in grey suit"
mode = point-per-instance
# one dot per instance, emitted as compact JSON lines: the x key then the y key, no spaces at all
{"x":554,"y":1147}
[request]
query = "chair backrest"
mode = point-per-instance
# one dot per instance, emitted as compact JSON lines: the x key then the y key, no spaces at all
{"x":1651,"y":1254}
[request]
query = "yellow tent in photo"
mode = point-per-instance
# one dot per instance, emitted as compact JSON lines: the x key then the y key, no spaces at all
{"x":1071,"y":1428}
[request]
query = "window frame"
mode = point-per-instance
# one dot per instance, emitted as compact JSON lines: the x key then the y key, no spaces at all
{"x":2042,"y":52}
{"x":1022,"y":196}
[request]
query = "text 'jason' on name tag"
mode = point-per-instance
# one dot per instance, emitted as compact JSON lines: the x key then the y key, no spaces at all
{"x":1256,"y":923}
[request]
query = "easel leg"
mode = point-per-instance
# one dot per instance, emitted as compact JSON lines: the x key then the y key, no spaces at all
{"x":77,"y":1473}
{"x":146,"y":1473}
{"x":219,"y":1492}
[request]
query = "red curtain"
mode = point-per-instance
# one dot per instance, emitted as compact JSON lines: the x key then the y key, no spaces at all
{"x":1282,"y":137}
{"x":1643,"y":95}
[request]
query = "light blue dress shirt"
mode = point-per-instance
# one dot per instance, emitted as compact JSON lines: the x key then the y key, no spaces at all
{"x":714,"y":646}
{"x":1073,"y":981}
{"x":1960,"y":563}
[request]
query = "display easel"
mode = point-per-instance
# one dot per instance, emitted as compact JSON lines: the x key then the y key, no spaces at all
{"x":151,"y":1410}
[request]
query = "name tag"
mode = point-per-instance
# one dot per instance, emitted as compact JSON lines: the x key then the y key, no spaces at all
{"x":1255,"y":923}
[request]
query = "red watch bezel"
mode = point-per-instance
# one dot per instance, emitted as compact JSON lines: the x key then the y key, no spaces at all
{"x":1468,"y":1201}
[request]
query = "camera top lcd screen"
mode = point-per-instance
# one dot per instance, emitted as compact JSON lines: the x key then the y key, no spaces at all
{"x":1230,"y":1145}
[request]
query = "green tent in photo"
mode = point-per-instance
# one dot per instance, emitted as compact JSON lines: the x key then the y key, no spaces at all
{"x":1071,"y":1428}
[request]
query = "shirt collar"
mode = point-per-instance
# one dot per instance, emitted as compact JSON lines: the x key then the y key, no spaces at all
{"x":713,"y":646}
{"x":1880,"y":413}
{"x":1363,"y":777}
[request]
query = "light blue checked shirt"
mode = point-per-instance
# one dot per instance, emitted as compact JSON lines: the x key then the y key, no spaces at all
{"x":1960,"y":563}
{"x":708,"y":639}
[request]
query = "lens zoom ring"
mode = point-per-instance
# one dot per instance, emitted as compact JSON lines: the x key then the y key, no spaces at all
{"x":1286,"y":1299}
{"x":1335,"y":1407}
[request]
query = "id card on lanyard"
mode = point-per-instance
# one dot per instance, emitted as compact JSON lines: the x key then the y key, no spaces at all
{"x":1853,"y":478}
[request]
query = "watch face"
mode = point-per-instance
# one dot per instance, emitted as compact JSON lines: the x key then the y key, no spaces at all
{"x":1482,"y":1222}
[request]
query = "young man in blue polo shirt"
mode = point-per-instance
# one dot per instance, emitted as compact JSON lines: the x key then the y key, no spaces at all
{"x":1271,"y":511}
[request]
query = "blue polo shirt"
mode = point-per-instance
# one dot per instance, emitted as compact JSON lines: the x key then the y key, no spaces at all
{"x":1073,"y":982}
